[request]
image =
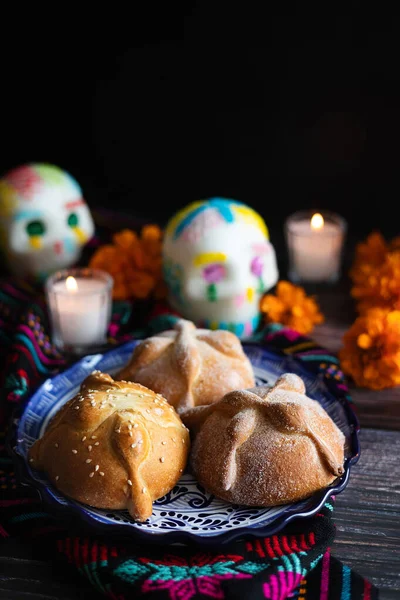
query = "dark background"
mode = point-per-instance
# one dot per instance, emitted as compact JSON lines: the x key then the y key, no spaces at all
{"x":162,"y":105}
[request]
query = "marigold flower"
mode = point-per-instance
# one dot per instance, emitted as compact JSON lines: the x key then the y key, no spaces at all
{"x":135,"y":263}
{"x":376,"y":274}
{"x":372,"y":252}
{"x":395,"y":244}
{"x":292,"y":307}
{"x":371,"y":349}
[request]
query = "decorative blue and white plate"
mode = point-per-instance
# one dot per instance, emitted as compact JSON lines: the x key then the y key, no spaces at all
{"x":187,"y":512}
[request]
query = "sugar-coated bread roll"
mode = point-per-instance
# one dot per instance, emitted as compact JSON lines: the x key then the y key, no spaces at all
{"x":115,"y":445}
{"x":265,"y":446}
{"x":190,"y":366}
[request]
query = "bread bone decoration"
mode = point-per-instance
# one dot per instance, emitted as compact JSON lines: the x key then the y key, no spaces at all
{"x":265,"y":446}
{"x":190,"y":366}
{"x":115,"y":445}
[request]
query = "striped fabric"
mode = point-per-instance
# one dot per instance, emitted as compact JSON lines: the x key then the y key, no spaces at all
{"x":296,"y":563}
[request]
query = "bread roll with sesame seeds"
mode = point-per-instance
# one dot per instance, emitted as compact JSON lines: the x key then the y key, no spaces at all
{"x":115,"y":445}
{"x":265,"y":446}
{"x":190,"y":366}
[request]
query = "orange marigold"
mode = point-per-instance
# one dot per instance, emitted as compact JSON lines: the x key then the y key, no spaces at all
{"x":292,"y":307}
{"x":135,"y":263}
{"x":376,"y":274}
{"x":372,"y":253}
{"x":371,"y":349}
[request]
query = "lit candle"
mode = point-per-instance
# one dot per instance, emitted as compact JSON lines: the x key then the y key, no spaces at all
{"x":80,"y":307}
{"x":315,"y":246}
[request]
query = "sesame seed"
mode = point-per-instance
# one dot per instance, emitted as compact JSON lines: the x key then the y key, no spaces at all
{"x":129,"y":482}
{"x":94,"y":437}
{"x":91,"y":474}
{"x":81,"y":399}
{"x":56,"y":445}
{"x":76,"y":407}
{"x":112,"y":404}
{"x":101,"y":473}
{"x":180,"y":470}
{"x":173,"y":439}
{"x":96,"y":468}
{"x":88,"y":460}
{"x":136,"y":425}
{"x":183,"y":440}
{"x":129,"y":426}
{"x":74,"y":451}
{"x":148,"y":410}
{"x":97,"y":443}
{"x":117,"y":431}
{"x":31,"y":460}
{"x":130,"y":434}
{"x":143,"y":490}
{"x":163,"y":443}
{"x":162,"y":459}
{"x":57,"y":477}
{"x":83,"y":439}
{"x":93,"y":403}
{"x":133,"y":445}
{"x":89,"y":448}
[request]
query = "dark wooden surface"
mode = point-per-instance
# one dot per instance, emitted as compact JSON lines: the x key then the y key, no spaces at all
{"x":367,"y":513}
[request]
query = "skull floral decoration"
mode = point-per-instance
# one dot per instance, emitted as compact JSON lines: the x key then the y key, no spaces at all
{"x":44,"y":221}
{"x":218,"y":262}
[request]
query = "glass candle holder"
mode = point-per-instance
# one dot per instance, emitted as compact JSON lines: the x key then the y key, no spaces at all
{"x":315,"y":245}
{"x":79,"y":302}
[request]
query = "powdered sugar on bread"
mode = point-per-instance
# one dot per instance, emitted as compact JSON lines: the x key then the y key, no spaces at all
{"x":190,"y":366}
{"x":265,"y":446}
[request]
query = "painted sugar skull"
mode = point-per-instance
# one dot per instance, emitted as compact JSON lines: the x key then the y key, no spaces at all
{"x":218,"y":261}
{"x":44,"y":221}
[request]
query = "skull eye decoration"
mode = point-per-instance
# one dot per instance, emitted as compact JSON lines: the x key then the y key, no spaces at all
{"x":36,"y":230}
{"x":213,"y":274}
{"x":73,"y":220}
{"x":257,"y":268}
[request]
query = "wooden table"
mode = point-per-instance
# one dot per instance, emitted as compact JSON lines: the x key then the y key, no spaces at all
{"x":367,"y":513}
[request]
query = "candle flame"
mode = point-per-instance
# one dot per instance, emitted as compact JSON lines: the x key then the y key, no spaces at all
{"x":70,"y":284}
{"x":317,"y":221}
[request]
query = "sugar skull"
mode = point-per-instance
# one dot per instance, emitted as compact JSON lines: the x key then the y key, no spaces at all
{"x":217,"y":262}
{"x":44,"y":221}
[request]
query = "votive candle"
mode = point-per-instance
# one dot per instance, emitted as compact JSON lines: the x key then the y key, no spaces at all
{"x":315,"y":244}
{"x":79,"y":301}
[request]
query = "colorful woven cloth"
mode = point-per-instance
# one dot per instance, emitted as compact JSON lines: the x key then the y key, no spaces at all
{"x":296,"y":563}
